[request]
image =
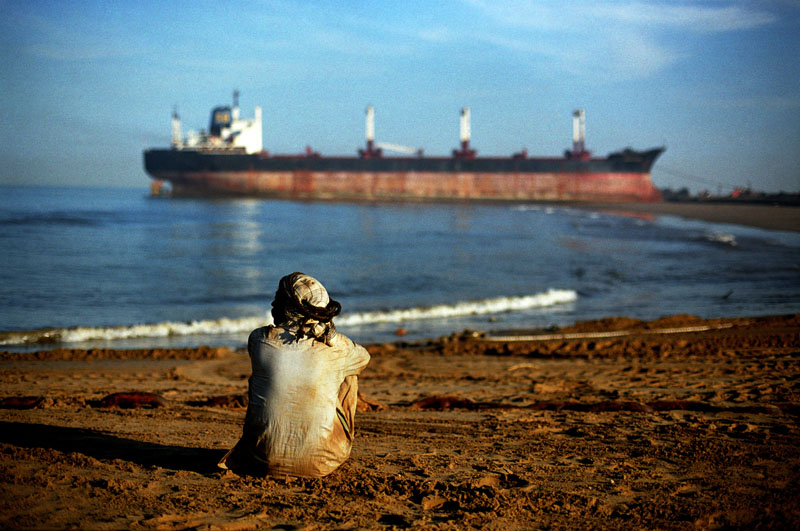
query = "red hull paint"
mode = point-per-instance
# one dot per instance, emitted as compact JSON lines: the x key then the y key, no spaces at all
{"x":393,"y":186}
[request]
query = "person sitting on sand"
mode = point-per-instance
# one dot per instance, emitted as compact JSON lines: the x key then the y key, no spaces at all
{"x":303,"y":390}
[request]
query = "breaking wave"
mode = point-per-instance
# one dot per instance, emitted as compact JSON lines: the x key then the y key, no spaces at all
{"x":165,"y":329}
{"x":244,"y":325}
{"x":460,"y":309}
{"x":722,"y":238}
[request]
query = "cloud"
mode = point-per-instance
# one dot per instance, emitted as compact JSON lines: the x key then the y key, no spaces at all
{"x":47,"y":36}
{"x":694,"y":18}
{"x":636,"y":55}
{"x":630,"y":38}
{"x":768,"y":102}
{"x":572,"y":15}
{"x":72,"y":52}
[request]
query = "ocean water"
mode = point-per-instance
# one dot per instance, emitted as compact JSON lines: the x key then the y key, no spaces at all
{"x":86,"y":267}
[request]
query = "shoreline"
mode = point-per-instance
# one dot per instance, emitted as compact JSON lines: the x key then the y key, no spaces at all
{"x":614,"y":423}
{"x":770,"y":217}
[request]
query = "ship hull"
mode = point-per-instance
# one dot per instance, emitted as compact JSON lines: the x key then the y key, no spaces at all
{"x":619,"y":177}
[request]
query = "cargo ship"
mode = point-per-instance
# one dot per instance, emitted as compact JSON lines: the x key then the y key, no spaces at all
{"x":229,"y":159}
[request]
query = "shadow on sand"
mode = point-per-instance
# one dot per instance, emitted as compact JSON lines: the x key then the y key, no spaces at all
{"x":102,"y":446}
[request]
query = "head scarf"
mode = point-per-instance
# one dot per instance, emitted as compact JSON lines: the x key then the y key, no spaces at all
{"x":302,"y":305}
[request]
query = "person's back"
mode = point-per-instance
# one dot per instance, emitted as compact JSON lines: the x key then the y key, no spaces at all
{"x":303,"y":390}
{"x":294,"y":390}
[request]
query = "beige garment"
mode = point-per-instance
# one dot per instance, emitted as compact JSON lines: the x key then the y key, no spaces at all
{"x":302,"y":404}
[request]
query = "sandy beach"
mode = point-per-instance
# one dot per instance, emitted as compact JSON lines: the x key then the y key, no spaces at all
{"x":611,"y":424}
{"x":770,"y":217}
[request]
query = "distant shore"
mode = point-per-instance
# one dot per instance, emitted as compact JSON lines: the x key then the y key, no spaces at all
{"x":785,"y":218}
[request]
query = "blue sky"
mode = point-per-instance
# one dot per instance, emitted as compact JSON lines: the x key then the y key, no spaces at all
{"x":88,"y":85}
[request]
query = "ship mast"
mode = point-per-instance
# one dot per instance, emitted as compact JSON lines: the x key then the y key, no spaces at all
{"x":370,"y":125}
{"x":370,"y":151}
{"x":177,"y":140}
{"x":465,"y":152}
{"x":579,"y":135}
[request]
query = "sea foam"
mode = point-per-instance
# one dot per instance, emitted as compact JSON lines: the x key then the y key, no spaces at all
{"x":722,"y":238}
{"x":460,"y":309}
{"x":244,"y":325}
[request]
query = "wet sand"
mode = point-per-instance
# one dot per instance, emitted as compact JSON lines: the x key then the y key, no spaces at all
{"x":611,"y":424}
{"x":771,"y":217}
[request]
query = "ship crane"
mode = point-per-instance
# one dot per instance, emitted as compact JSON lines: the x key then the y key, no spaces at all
{"x":371,"y":151}
{"x":375,"y":149}
{"x":177,"y":137}
{"x":579,"y":150}
{"x":466,"y":152}
{"x":398,"y":148}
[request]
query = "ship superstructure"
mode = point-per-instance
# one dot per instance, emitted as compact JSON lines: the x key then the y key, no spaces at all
{"x":226,"y":132}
